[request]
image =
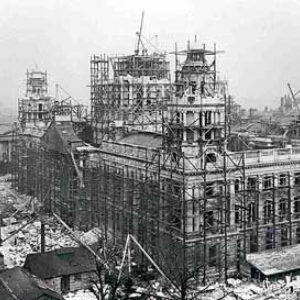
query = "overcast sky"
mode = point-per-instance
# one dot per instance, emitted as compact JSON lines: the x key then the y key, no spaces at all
{"x":261,"y":40}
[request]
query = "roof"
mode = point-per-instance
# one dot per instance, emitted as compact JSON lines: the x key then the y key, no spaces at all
{"x":18,"y":284}
{"x":66,"y":131}
{"x":60,"y":137}
{"x":59,"y":262}
{"x":5,"y":293}
{"x":145,"y":139}
{"x":6,"y":128}
{"x":276,"y":261}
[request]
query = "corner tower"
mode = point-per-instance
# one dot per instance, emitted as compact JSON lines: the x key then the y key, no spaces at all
{"x":196,"y":118}
{"x":35,"y":108}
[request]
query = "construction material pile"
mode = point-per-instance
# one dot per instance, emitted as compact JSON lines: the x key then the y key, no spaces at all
{"x":21,"y":228}
{"x":80,"y":295}
{"x":21,"y":235}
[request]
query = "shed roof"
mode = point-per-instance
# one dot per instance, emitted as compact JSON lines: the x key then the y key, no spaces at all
{"x":59,"y":262}
{"x":276,"y":261}
{"x":18,"y":284}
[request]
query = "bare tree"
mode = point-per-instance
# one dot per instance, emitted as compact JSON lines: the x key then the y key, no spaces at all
{"x":107,"y":285}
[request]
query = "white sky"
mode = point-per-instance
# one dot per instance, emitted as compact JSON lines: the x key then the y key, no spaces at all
{"x":261,"y":39}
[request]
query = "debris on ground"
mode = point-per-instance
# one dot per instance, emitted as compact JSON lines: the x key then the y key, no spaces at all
{"x":17,"y":210}
{"x":80,"y":295}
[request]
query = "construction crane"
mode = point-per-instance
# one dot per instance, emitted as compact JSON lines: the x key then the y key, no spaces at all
{"x":146,"y":43}
{"x":295,"y":104}
{"x":137,"y":50}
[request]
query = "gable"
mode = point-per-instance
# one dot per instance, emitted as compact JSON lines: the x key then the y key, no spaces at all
{"x":60,"y":137}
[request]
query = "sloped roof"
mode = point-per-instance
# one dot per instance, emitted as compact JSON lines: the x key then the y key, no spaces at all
{"x":66,"y":132}
{"x":276,"y":261}
{"x":5,"y":293}
{"x":146,"y":139}
{"x":18,"y":284}
{"x":6,"y":128}
{"x":60,"y":137}
{"x":64,"y":261}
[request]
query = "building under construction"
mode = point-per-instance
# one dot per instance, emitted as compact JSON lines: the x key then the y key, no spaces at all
{"x":159,"y":168}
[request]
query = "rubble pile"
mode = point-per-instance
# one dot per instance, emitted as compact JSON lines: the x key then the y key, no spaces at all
{"x":28,"y":240}
{"x":20,"y":238}
{"x":80,"y":295}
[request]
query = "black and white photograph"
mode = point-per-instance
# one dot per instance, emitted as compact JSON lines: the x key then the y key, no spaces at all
{"x":149,"y":150}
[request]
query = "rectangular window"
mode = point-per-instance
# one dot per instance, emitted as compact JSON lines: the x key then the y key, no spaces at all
{"x":298,"y":235}
{"x":40,"y":111}
{"x":207,"y":118}
{"x":207,"y":135}
{"x":283,"y":180}
{"x":237,"y":214}
{"x":236,"y":185}
{"x":252,"y":215}
{"x":251,"y":183}
{"x":283,"y":209}
{"x":297,"y":207}
{"x":209,"y":218}
{"x":297,"y":179}
{"x":190,"y":136}
{"x":267,"y":182}
{"x":268,"y":211}
{"x":284,"y":237}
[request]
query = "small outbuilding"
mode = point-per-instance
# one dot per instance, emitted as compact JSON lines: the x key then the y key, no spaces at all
{"x":65,"y":270}
{"x":275,"y":263}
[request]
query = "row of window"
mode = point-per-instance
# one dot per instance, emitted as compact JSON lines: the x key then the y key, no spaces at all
{"x":269,"y":243}
{"x":267,"y":182}
{"x":252,"y":182}
{"x":269,"y":211}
